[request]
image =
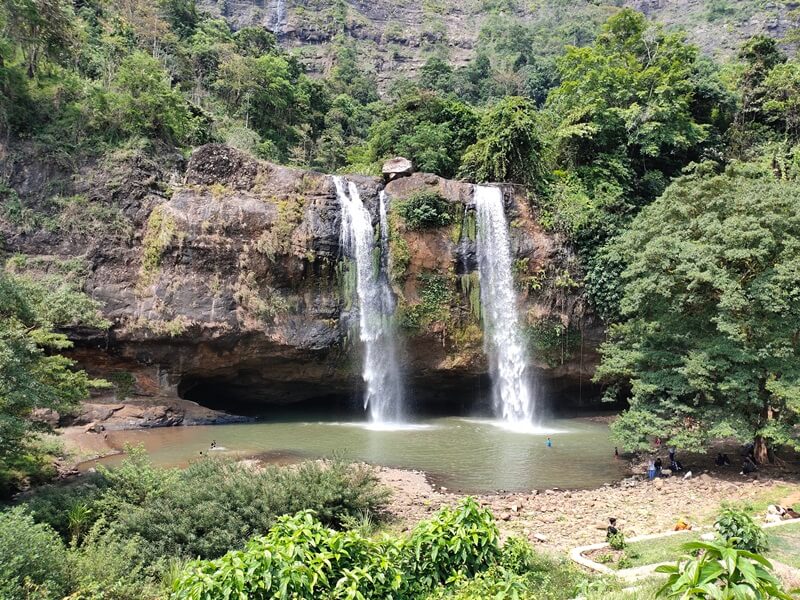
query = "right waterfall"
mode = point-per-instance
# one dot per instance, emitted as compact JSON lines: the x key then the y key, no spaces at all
{"x":503,"y":340}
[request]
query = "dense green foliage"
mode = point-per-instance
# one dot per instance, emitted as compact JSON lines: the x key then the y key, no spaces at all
{"x":431,"y":130}
{"x":33,"y":375}
{"x":33,"y":560}
{"x":124,"y":530}
{"x":424,"y":210}
{"x":738,"y":527}
{"x":456,"y":554}
{"x":207,"y":508}
{"x":721,"y":572}
{"x":508,"y":146}
{"x":710,"y":312}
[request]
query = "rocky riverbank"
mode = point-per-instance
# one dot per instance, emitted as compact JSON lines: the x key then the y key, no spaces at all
{"x":558,"y":520}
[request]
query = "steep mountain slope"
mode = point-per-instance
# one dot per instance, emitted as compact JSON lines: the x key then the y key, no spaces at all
{"x":395,"y":37}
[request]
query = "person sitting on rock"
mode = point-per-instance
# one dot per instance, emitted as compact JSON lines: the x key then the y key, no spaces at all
{"x":675,"y":466}
{"x":612,"y":528}
{"x":720,"y":460}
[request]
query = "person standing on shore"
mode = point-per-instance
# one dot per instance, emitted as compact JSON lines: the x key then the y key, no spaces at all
{"x":549,"y":442}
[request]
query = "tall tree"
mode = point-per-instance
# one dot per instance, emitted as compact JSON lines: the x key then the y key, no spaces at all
{"x":709,"y":342}
{"x":33,"y":373}
{"x":624,"y":107}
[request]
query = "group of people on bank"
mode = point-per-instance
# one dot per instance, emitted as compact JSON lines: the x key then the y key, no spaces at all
{"x":656,"y":467}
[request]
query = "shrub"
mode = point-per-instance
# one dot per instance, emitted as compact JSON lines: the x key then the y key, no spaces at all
{"x":738,"y":527}
{"x":51,"y":504}
{"x":463,"y":540}
{"x":216,"y":505}
{"x":520,"y":572}
{"x":721,"y":571}
{"x":617,"y":541}
{"x":425,"y":210}
{"x":109,"y":567}
{"x":33,"y":559}
{"x":299,"y":558}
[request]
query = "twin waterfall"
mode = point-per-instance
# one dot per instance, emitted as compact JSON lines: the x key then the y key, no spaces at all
{"x":503,"y":341}
{"x":381,"y":372}
{"x":512,"y":397}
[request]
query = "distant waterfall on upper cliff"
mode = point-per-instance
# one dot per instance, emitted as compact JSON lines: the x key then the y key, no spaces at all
{"x":381,"y":372}
{"x":279,"y":16}
{"x":504,"y":343}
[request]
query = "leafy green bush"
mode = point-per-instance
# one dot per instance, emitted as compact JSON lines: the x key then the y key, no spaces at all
{"x":33,"y":560}
{"x":520,"y":573}
{"x":51,"y":504}
{"x":425,"y":210}
{"x":109,"y":567}
{"x":736,"y":526}
{"x":721,"y":572}
{"x":463,"y":540}
{"x":300,"y":558}
{"x":617,"y":541}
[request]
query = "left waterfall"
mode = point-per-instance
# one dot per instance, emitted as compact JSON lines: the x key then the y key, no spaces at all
{"x":383,"y":397}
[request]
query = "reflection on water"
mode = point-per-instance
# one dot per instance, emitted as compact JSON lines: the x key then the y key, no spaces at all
{"x":470,"y":455}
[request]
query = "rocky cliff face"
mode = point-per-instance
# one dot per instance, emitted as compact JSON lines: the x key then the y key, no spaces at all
{"x":395,"y":39}
{"x":225,"y":283}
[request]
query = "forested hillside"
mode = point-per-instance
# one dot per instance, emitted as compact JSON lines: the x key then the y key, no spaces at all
{"x":395,"y":39}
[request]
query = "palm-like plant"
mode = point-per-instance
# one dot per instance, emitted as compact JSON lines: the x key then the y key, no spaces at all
{"x":721,"y":571}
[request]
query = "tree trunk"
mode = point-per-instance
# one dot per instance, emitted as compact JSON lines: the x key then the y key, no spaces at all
{"x":761,"y":451}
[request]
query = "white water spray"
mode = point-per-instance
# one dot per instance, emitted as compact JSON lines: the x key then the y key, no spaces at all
{"x":504,"y":343}
{"x":384,"y":394}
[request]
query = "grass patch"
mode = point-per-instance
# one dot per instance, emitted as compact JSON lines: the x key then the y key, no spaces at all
{"x":647,"y":552}
{"x":784,"y":544}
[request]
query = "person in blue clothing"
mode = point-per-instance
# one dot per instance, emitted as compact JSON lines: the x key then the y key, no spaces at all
{"x":549,"y":442}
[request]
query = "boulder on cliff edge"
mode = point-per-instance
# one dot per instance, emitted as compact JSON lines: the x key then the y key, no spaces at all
{"x":397,"y":167}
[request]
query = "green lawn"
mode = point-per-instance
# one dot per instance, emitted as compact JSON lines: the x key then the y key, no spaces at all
{"x":784,"y":544}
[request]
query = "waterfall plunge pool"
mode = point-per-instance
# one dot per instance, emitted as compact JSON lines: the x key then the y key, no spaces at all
{"x":463,"y":454}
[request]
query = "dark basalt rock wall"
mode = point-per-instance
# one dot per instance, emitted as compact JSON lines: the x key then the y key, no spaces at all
{"x":226,"y":284}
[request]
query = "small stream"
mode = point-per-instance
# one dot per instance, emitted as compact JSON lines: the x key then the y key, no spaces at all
{"x":463,"y":454}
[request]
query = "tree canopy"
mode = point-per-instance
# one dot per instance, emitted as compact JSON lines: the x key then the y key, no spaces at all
{"x":710,"y":312}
